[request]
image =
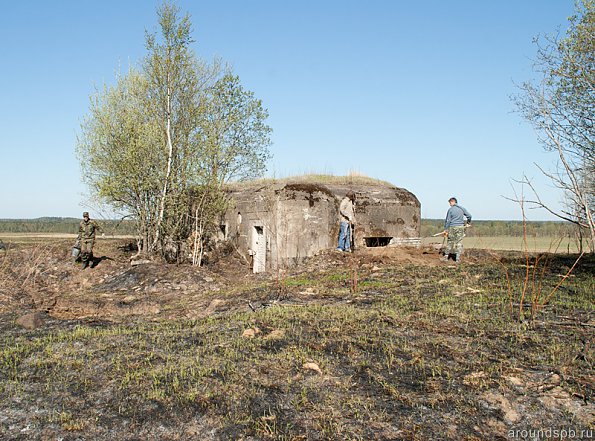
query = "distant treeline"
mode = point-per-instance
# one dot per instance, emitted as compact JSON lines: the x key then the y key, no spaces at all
{"x":63,"y":225}
{"x":428,"y":227}
{"x":505,"y":228}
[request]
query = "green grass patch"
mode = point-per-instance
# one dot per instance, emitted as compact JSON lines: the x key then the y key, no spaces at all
{"x":411,"y":348}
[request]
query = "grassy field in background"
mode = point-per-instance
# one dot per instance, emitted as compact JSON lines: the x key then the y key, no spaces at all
{"x":514,"y":243}
{"x":30,"y":238}
{"x":543,"y":236}
{"x":533,"y":244}
{"x":496,"y":243}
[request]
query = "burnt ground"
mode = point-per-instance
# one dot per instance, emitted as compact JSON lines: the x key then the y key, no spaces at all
{"x":385,"y":343}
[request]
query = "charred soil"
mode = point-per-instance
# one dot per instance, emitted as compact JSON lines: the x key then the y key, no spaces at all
{"x":383,"y":344}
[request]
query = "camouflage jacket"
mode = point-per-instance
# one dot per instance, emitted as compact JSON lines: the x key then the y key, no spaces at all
{"x":87,"y":230}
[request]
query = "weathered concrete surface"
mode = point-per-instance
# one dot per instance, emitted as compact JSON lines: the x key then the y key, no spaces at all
{"x":282,"y":222}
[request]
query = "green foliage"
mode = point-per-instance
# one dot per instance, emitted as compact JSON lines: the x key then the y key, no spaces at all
{"x":119,"y":146}
{"x":177,"y":124}
{"x":234,"y":132}
{"x":431,"y":342}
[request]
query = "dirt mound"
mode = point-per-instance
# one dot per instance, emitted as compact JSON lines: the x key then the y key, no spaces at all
{"x":44,"y":278}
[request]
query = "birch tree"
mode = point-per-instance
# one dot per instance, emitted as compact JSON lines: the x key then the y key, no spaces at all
{"x":234,"y":140}
{"x":177,"y":128}
{"x":118,"y":150}
{"x":234,"y":133}
{"x":175,"y":99}
{"x":561,"y":107}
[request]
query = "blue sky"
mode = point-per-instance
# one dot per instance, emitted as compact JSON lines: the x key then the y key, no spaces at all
{"x":414,"y":93}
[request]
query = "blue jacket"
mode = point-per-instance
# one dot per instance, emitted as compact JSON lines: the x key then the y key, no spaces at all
{"x":455,"y":217}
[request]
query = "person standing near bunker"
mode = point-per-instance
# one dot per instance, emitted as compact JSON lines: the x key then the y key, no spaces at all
{"x":346,"y":221}
{"x":457,"y":219}
{"x":86,"y":239}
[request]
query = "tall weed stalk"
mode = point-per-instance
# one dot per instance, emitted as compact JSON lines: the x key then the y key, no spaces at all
{"x":536,"y":268}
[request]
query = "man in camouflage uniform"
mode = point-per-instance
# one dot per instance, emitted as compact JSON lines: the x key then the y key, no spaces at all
{"x":457,"y":219}
{"x":86,"y":238}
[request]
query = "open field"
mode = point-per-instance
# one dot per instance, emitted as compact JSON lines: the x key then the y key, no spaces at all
{"x":382,"y":344}
{"x":501,"y":243}
{"x":32,"y":238}
{"x":62,"y":225}
{"x":514,"y":243}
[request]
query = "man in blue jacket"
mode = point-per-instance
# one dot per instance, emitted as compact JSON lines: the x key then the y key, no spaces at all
{"x":457,"y":219}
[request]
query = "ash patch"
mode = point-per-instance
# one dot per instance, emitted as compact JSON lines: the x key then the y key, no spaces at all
{"x":124,"y":281}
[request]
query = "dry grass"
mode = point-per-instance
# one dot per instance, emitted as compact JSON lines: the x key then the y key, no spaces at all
{"x":351,"y":179}
{"x":409,"y":352}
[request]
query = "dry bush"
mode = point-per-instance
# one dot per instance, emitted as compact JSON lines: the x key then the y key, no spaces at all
{"x":21,"y":271}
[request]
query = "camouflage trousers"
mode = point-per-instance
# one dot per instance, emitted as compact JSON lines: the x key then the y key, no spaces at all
{"x":454,"y":243}
{"x":87,"y":249}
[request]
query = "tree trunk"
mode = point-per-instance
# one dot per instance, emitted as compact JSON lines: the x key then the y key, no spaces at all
{"x":168,"y":172}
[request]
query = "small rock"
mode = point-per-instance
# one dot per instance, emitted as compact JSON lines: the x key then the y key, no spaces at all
{"x":499,"y":401}
{"x":139,"y":262}
{"x":496,"y":426}
{"x":312,"y":367}
{"x":251,"y":332}
{"x":215,"y":303}
{"x":30,"y":321}
{"x":516,"y":383}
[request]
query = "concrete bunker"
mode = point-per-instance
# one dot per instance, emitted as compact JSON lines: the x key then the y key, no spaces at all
{"x":279,"y":223}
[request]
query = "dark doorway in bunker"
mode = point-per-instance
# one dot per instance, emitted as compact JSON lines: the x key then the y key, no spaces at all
{"x":377,"y":241}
